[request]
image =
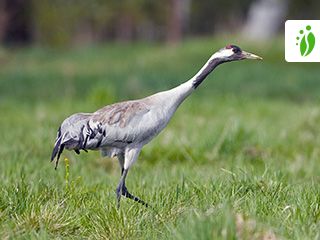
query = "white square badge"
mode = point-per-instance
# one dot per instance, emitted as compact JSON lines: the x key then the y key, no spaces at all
{"x":302,"y":40}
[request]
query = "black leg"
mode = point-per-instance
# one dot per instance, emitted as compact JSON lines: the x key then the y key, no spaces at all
{"x":122,"y":190}
{"x":119,"y":190}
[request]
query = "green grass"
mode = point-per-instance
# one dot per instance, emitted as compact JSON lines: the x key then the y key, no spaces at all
{"x":239,"y":160}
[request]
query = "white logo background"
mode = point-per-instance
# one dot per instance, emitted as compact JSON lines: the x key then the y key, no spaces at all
{"x":292,"y":51}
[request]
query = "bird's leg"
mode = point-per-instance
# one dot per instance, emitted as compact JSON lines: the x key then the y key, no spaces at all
{"x":119,"y":190}
{"x":122,"y":190}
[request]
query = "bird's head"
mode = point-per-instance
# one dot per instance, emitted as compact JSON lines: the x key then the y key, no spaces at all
{"x":226,"y":54}
{"x":234,"y":53}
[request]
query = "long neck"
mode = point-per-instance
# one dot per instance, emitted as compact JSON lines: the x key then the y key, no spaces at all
{"x":181,"y":92}
{"x":210,"y":65}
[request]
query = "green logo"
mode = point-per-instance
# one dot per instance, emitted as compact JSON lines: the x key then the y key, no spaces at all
{"x":307,"y":41}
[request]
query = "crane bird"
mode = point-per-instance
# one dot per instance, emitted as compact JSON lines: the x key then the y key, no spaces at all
{"x":122,"y":129}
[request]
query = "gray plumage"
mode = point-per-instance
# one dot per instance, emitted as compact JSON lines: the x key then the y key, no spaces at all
{"x":122,"y":129}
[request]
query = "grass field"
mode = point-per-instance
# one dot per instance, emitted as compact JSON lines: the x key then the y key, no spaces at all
{"x":239,"y":160}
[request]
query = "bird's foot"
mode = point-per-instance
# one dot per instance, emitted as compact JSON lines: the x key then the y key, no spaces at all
{"x":123,"y":191}
{"x":126,"y":193}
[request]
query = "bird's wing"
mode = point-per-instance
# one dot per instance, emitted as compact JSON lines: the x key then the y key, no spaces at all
{"x":120,"y":114}
{"x":118,"y":122}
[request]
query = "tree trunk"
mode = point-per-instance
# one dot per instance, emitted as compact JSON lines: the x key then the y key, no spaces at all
{"x":265,"y":18}
{"x":15,"y":22}
{"x":3,"y":20}
{"x":124,"y":29}
{"x":177,"y":20}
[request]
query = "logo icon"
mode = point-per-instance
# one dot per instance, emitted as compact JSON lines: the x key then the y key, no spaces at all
{"x":306,"y":41}
{"x":302,"y":40}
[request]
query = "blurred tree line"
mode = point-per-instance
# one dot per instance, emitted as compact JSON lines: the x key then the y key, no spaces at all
{"x":64,"y":22}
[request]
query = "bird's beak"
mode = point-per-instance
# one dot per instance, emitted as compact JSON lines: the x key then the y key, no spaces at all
{"x":247,"y":55}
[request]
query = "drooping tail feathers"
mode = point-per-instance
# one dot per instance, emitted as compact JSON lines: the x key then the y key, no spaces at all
{"x":76,"y":133}
{"x":58,"y":148}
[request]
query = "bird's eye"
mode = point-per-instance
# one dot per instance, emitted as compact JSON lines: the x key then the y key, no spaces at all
{"x":236,"y":50}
